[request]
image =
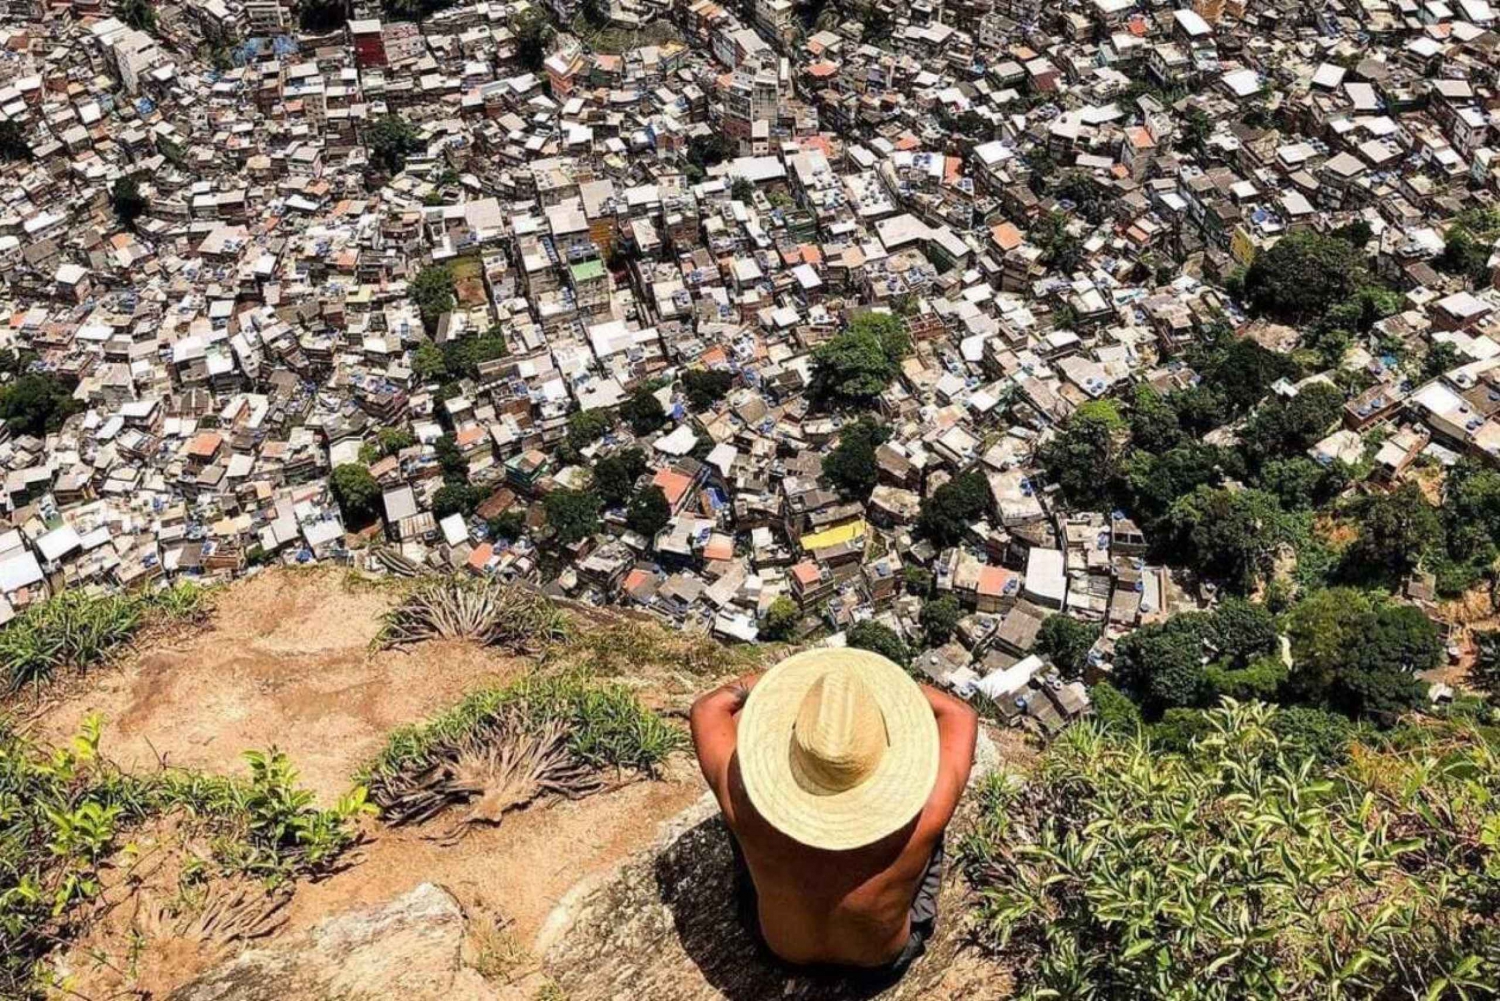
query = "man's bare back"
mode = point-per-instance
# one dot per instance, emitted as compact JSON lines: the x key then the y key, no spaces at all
{"x":849,"y":908}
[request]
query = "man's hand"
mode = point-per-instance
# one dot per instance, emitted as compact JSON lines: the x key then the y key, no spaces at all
{"x":740,"y":690}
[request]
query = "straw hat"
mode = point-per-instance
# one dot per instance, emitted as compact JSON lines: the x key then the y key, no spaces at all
{"x":837,"y":748}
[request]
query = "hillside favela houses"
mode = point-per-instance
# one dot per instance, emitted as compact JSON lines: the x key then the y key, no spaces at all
{"x":988,"y":334}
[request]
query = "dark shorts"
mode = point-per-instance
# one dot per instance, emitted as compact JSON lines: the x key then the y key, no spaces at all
{"x":923,"y":916}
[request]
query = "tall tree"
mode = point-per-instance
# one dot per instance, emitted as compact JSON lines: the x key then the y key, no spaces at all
{"x":573,"y":514}
{"x":649,"y":512}
{"x":615,"y":475}
{"x":357,"y":493}
{"x":952,"y":508}
{"x":434,"y":292}
{"x":1084,"y":458}
{"x":534,"y":35}
{"x":851,"y":465}
{"x":13,"y":144}
{"x":1303,"y":275}
{"x":128,"y":202}
{"x":391,"y":139}
{"x":857,"y":364}
{"x":138,"y":14}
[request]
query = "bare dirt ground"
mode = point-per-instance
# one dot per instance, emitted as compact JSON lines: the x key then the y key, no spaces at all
{"x":285,"y":660}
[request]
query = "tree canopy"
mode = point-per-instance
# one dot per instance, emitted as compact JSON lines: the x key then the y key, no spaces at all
{"x":357,"y":493}
{"x":1356,"y":652}
{"x":947,"y":514}
{"x":856,"y":365}
{"x":850,"y":466}
{"x":126,"y":199}
{"x":881,"y":639}
{"x":1084,"y":457}
{"x":36,"y":403}
{"x":1303,"y":275}
{"x":643,"y":411}
{"x":781,"y":619}
{"x":319,"y":16}
{"x":1466,"y":251}
{"x":704,"y":387}
{"x":534,"y":33}
{"x":13,"y":144}
{"x":434,"y":292}
{"x":138,"y":14}
{"x":939,"y":618}
{"x":1228,"y":535}
{"x":649,"y":512}
{"x":615,"y":475}
{"x":587,"y":426}
{"x":573,"y":514}
{"x":1066,"y":641}
{"x":391,"y":139}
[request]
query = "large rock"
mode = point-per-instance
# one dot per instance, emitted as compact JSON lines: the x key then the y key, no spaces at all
{"x":665,"y":927}
{"x":409,"y":948}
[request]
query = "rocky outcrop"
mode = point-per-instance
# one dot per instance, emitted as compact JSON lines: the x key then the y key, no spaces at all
{"x":665,"y":927}
{"x":409,"y":948}
{"x":661,"y":927}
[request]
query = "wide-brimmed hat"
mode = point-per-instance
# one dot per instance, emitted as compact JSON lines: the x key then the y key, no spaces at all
{"x":837,"y":748}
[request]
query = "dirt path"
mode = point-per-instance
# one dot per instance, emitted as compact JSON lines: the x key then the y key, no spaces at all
{"x":286,"y":660}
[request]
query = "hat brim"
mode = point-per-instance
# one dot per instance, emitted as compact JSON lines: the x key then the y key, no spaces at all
{"x":881,"y":805}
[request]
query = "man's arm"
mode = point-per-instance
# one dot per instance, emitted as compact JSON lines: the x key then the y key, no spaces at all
{"x":958,"y":727}
{"x":715,"y":731}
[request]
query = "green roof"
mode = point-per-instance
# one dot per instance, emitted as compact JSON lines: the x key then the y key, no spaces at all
{"x":588,"y":269}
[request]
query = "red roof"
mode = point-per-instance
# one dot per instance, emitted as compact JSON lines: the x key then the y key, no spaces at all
{"x":205,"y":445}
{"x":480,"y":556}
{"x":1006,"y":235}
{"x":673,"y":484}
{"x":992,"y":581}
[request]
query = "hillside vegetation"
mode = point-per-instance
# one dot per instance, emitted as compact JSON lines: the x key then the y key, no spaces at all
{"x":1238,"y":870}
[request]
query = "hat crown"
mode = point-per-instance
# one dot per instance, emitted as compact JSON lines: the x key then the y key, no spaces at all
{"x":840,"y":734}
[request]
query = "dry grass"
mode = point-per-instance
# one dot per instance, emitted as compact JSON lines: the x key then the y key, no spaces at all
{"x":497,"y":955}
{"x":633,"y":650}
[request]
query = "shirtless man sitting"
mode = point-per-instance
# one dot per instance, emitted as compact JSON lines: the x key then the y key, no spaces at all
{"x":837,"y":775}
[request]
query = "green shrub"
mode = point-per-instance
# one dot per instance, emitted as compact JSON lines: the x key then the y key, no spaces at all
{"x":877,"y":638}
{"x":81,"y":630}
{"x":65,"y":811}
{"x":1113,"y":710}
{"x":607,"y":724}
{"x":1240,"y":872}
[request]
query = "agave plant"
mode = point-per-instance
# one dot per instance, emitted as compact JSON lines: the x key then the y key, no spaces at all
{"x":503,"y":748}
{"x":487,"y":612}
{"x":505,"y":766}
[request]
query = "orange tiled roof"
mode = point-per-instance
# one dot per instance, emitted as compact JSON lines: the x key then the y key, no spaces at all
{"x":673,"y":484}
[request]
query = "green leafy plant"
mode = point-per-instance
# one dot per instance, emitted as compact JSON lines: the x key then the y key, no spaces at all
{"x":1237,"y":870}
{"x":65,"y":810}
{"x":500,"y":749}
{"x":80,"y":630}
{"x":277,"y":832}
